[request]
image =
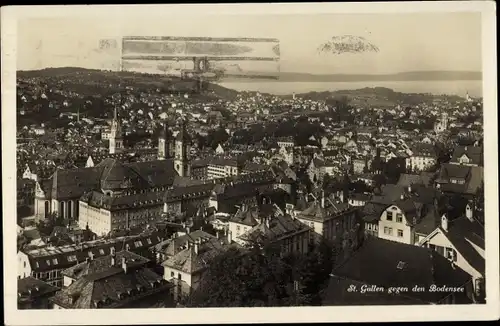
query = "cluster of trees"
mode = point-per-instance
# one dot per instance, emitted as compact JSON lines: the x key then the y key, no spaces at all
{"x":263,"y":277}
{"x":213,"y":139}
{"x":340,"y":109}
{"x":300,"y":129}
{"x":45,"y":227}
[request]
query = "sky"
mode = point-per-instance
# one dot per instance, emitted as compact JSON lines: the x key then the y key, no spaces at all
{"x":407,"y":41}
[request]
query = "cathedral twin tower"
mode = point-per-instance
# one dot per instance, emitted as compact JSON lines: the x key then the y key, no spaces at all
{"x":178,"y":147}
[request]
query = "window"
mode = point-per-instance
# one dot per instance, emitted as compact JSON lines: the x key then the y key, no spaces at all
{"x":54,"y":261}
{"x":389,"y":216}
{"x":101,"y":251}
{"x":148,"y":240}
{"x":172,"y":274}
{"x":451,"y":254}
{"x":48,"y":262}
{"x":387,"y":230}
{"x":400,"y":233}
{"x":399,"y":218}
{"x":179,"y":276}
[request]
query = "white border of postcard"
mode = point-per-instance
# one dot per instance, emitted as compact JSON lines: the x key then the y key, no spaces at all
{"x":488,"y":311}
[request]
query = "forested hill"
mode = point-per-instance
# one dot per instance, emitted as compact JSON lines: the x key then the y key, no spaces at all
{"x":91,"y":82}
{"x":379,"y":95}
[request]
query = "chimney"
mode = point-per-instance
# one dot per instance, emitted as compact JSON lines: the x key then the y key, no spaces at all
{"x":196,"y":247}
{"x":188,"y":230}
{"x":113,"y":262}
{"x":322,"y":199}
{"x":218,"y":234}
{"x":409,"y":189}
{"x":444,"y":222}
{"x":91,"y":255}
{"x":402,"y":196}
{"x":230,"y":237}
{"x":188,"y":244}
{"x":469,"y":212}
{"x":124,"y":265}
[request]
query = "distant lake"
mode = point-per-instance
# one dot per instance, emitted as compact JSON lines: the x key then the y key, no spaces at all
{"x":460,"y":87}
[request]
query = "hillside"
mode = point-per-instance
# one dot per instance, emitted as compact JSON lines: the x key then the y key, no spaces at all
{"x":380,"y":96}
{"x":102,"y":84}
{"x":90,"y":82}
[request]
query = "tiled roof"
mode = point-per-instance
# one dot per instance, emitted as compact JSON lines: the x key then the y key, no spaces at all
{"x":406,"y":180}
{"x":425,"y":150}
{"x":50,"y":258}
{"x":316,"y":212}
{"x":461,"y":233}
{"x":75,"y":182}
{"x":192,"y":191}
{"x":189,"y":261}
{"x":111,"y":288}
{"x":126,"y":200}
{"x":176,"y":244}
{"x":117,"y":176}
{"x":247,"y":216}
{"x":280,"y":227}
{"x":29,"y":288}
{"x":472,"y":175}
{"x":102,"y":264}
{"x":474,"y":153}
{"x":429,"y":222}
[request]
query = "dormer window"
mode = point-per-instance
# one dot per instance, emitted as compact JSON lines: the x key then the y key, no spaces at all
{"x":464,"y":159}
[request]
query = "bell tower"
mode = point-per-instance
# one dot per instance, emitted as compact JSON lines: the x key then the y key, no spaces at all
{"x":182,"y":158}
{"x":165,"y":143}
{"x":115,"y":137}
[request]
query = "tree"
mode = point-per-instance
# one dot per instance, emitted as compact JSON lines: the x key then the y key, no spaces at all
{"x":359,"y":187}
{"x":263,"y":276}
{"x":394,"y":168}
{"x":47,"y":226}
{"x":216,"y":137}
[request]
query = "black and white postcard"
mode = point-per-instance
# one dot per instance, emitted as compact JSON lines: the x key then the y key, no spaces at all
{"x":314,"y":162}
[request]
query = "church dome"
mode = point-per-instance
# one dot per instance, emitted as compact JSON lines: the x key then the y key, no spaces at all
{"x":116,"y":176}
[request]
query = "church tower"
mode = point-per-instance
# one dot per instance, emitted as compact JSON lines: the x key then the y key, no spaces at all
{"x":115,"y":137}
{"x":444,"y":120}
{"x":182,"y":158}
{"x":165,"y":143}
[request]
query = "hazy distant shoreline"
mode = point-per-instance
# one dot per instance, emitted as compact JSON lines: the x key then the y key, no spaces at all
{"x":403,"y":76}
{"x":433,"y":82}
